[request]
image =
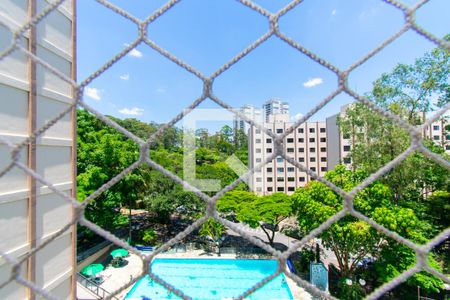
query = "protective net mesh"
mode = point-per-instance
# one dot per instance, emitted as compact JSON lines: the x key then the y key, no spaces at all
{"x":421,"y":251}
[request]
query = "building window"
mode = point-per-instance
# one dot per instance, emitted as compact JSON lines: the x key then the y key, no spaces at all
{"x":269,"y":150}
{"x":323,"y":159}
{"x":258,"y":179}
{"x":323,"y":129}
{"x":279,"y":130}
{"x":323,"y":149}
{"x":290,"y":150}
{"x":312,"y":159}
{"x":258,"y":150}
{"x":313,"y":169}
{"x":323,"y":169}
{"x":312,"y":130}
{"x":280,"y":189}
{"x":300,"y":130}
{"x":312,"y":150}
{"x":279,"y":159}
{"x":301,"y":159}
{"x":258,"y":189}
{"x":435,"y":127}
{"x":291,"y":169}
{"x":301,"y":140}
{"x":269,"y":179}
{"x":447,"y":147}
{"x":290,"y":140}
{"x":280,"y":179}
{"x":323,"y":140}
{"x":436,"y":137}
{"x":291,"y":188}
{"x":448,"y":137}
{"x":312,"y":140}
{"x":347,"y":160}
{"x":257,"y":131}
{"x":269,"y":141}
{"x":269,"y":170}
{"x":258,"y":141}
{"x":270,"y":189}
{"x":301,"y":179}
{"x":280,"y":170}
{"x":291,"y":178}
{"x":258,"y":170}
{"x":301,"y":150}
{"x":258,"y":160}
{"x":346,"y":148}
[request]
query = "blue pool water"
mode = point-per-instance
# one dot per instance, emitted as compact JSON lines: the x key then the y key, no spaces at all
{"x":212,"y":279}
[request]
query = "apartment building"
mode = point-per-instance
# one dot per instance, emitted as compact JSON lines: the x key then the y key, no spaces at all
{"x":307,"y":144}
{"x":30,"y":96}
{"x":439,"y":133}
{"x":252,"y":113}
{"x":275,"y":106}
{"x":338,"y":145}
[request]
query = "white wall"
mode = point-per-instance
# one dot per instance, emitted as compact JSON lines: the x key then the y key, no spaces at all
{"x":54,"y":264}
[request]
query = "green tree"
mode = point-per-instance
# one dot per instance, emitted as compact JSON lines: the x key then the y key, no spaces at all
{"x":350,"y":239}
{"x":409,"y":91}
{"x":265,"y":212}
{"x":213,"y":231}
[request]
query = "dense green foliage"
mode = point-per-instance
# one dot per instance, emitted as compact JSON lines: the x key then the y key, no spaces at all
{"x":352,"y":240}
{"x":103,"y":153}
{"x":411,"y":199}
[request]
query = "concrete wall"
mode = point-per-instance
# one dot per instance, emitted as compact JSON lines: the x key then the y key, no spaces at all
{"x":333,"y":141}
{"x":30,"y":96}
{"x":91,"y":259}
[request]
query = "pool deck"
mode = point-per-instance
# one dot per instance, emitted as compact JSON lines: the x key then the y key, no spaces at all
{"x":117,"y":277}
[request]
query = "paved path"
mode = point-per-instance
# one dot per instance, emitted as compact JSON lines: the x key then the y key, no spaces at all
{"x":84,"y":294}
{"x":327,"y":256}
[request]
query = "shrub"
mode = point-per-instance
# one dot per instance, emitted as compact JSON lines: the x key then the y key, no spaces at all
{"x":149,"y":236}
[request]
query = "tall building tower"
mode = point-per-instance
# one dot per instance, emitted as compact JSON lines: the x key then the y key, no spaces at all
{"x":274,"y":107}
{"x":307,"y":145}
{"x":251,"y":112}
{"x":30,"y":96}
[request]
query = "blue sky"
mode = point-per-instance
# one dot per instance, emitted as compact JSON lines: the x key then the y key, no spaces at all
{"x":208,"y":33}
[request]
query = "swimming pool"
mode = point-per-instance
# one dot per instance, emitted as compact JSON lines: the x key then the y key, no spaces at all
{"x":212,"y":279}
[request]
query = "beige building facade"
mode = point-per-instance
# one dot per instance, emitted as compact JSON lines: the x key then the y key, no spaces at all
{"x":307,"y":145}
{"x":30,"y":96}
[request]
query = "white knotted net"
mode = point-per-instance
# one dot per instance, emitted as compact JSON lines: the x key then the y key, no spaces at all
{"x":422,"y":251}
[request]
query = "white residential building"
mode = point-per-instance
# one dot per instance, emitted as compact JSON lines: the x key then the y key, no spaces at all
{"x":30,"y":96}
{"x":307,"y":145}
{"x":251,"y":112}
{"x":274,"y":107}
{"x":439,"y":133}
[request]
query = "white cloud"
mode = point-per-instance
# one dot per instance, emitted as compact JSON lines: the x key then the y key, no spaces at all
{"x":333,"y":12}
{"x":134,"y":111}
{"x":161,"y":90}
{"x":93,"y":93}
{"x":313,"y":82}
{"x":134,"y":52}
{"x":296,"y":117}
{"x":125,"y":76}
